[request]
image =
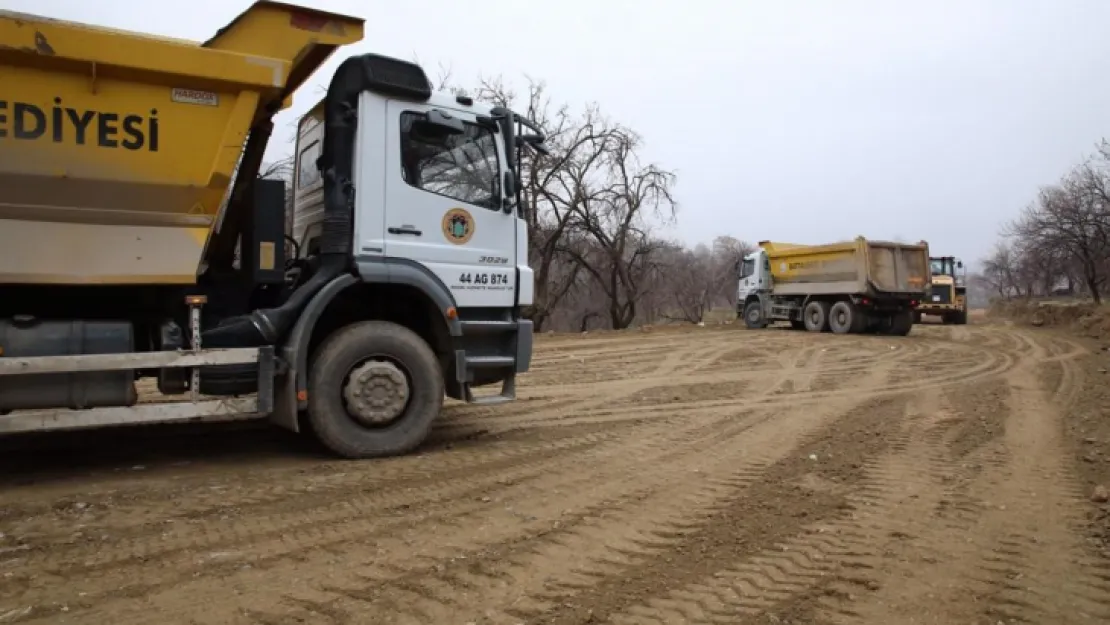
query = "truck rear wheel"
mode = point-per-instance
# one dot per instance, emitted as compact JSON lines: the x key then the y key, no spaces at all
{"x":961,"y":317}
{"x":845,"y":318}
{"x":753,"y":316}
{"x":816,"y":316}
{"x":374,"y":389}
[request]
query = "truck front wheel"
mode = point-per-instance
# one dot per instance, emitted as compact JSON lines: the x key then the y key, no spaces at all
{"x":753,"y":316}
{"x":374,"y":389}
{"x":816,"y":316}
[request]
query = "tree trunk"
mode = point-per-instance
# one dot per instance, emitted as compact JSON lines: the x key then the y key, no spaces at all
{"x":1092,"y":286}
{"x":539,"y":318}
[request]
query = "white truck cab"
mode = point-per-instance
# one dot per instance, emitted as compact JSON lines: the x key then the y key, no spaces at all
{"x":439,"y":201}
{"x":755,"y":275}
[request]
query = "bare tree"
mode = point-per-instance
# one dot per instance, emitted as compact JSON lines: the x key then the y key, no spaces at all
{"x":691,"y":281}
{"x":614,"y":210}
{"x":728,"y":251}
{"x":554,"y":186}
{"x":1066,"y":217}
{"x":1061,"y":241}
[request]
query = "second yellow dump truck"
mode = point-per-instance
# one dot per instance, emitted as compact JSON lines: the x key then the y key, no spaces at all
{"x":852,"y":286}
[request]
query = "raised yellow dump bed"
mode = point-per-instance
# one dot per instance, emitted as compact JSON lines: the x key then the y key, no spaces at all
{"x":117,"y":148}
{"x":857,"y":266}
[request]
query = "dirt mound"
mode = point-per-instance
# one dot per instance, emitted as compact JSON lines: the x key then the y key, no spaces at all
{"x":1085,"y":317}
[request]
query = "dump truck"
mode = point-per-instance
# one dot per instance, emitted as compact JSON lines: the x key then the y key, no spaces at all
{"x":947,"y":291}
{"x":857,"y":286}
{"x":141,"y":249}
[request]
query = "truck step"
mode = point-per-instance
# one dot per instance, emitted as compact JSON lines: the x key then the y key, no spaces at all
{"x":507,"y":394}
{"x":488,"y":327}
{"x":490,"y":400}
{"x":489,"y":362}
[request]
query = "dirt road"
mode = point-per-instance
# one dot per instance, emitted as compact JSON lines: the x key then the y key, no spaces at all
{"x":704,"y":475}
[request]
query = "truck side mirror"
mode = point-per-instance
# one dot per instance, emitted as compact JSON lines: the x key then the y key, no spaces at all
{"x":509,"y":185}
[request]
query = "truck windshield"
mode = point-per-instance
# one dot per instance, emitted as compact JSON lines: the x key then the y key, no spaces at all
{"x":747,"y":268}
{"x":941,"y":267}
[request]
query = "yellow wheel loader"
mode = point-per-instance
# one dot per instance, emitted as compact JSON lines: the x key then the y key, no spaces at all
{"x":946,"y":296}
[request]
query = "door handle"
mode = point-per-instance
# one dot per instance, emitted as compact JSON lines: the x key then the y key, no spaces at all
{"x":405,"y":231}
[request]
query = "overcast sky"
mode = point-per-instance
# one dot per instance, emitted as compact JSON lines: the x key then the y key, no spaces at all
{"x":800,"y":121}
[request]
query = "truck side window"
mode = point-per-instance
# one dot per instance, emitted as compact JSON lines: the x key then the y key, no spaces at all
{"x":307,"y":172}
{"x":462,"y":167}
{"x":747,"y":268}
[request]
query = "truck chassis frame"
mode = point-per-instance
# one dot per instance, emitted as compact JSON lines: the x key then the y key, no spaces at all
{"x":259,"y":406}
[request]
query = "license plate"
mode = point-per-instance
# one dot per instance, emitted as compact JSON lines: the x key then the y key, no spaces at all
{"x":936,"y":298}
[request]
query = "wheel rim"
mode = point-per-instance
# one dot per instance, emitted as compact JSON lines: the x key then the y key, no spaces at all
{"x":753,"y":316}
{"x":841,"y":318}
{"x":376,"y":393}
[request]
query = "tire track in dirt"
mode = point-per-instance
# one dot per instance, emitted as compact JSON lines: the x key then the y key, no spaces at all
{"x":533,"y":509}
{"x":592,"y":395}
{"x":891,"y":491}
{"x":335,"y":498}
{"x":853,"y":375}
{"x":387,"y":471}
{"x":184,"y":544}
{"x":1020,"y":558}
{"x":277,"y":552}
{"x":991,"y":366}
{"x":131,"y":511}
{"x":1049,"y":576}
{"x":769,"y":509}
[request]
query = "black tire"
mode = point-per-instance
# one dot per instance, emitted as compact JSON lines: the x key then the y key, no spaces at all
{"x":916,"y":317}
{"x":961,"y":317}
{"x":901,"y":323}
{"x":753,"y":316}
{"x":797,"y":324}
{"x":348,"y":348}
{"x":879,"y":324}
{"x":845,"y":318}
{"x":816,"y":316}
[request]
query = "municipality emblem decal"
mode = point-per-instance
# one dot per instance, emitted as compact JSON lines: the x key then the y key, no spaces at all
{"x":458,"y":226}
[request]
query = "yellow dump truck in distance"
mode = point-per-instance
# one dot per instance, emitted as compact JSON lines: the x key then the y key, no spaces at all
{"x":137,"y":240}
{"x":847,"y":287}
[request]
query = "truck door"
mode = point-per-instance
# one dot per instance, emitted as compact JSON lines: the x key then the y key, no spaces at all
{"x":443,"y":205}
{"x":748,"y":278}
